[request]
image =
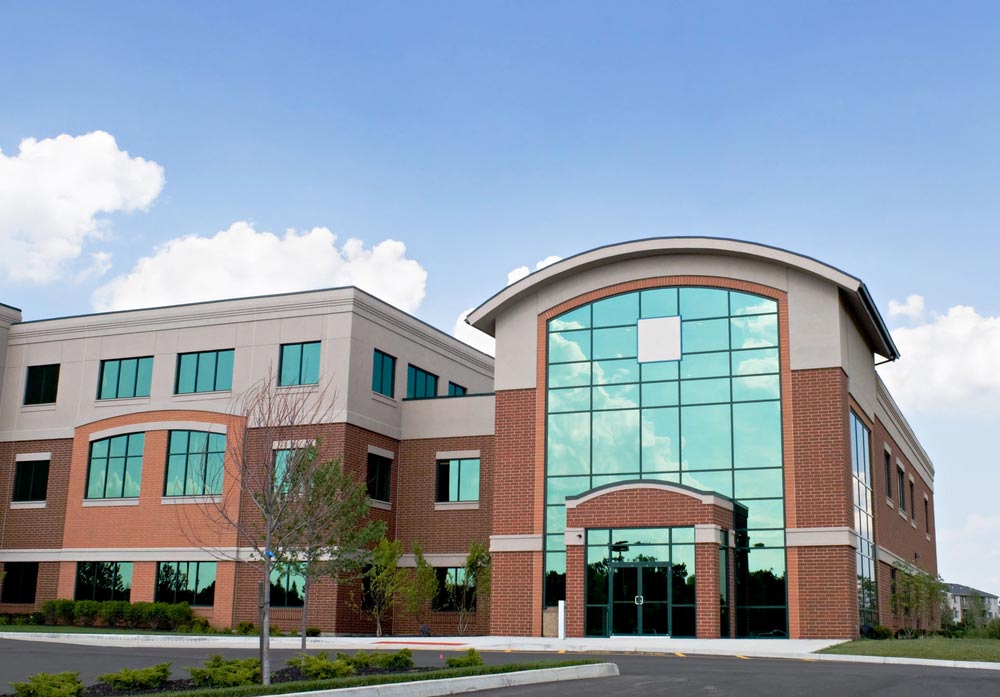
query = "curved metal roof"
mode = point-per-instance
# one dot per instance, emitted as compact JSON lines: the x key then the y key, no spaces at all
{"x":484,"y":316}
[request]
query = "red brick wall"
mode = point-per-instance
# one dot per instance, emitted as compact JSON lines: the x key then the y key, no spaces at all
{"x":827,"y":592}
{"x":36,"y":528}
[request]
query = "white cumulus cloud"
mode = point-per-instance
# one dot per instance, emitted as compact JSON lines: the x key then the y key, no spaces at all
{"x":484,"y":342}
{"x":515,"y":275}
{"x":948,"y":361}
{"x":968,"y":554}
{"x":912,"y":309}
{"x":54,"y":194}
{"x":472,"y":336}
{"x":241,"y":261}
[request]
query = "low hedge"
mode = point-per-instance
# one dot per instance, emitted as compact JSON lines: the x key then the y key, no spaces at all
{"x":114,"y":613}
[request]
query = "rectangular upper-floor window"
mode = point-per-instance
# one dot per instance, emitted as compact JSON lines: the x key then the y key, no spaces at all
{"x":900,"y":482}
{"x":31,"y":480}
{"x":384,"y":374}
{"x":114,"y":469}
{"x":456,"y":390}
{"x":204,"y":371}
{"x":20,"y":582}
{"x":420,"y":384}
{"x":125,"y":377}
{"x":913,"y":503}
{"x":927,"y":516}
{"x":458,"y":480}
{"x":41,"y":384}
{"x":191,"y":582}
{"x":888,"y":475}
{"x":453,"y":593}
{"x":103,"y":580}
{"x":379,"y":476}
{"x":299,"y":364}
{"x":195,"y":463}
{"x":287,"y":588}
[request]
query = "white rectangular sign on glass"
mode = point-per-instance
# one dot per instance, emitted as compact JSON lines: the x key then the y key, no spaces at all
{"x":659,"y":339}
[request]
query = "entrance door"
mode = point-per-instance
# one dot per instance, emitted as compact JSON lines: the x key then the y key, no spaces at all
{"x":640,"y":598}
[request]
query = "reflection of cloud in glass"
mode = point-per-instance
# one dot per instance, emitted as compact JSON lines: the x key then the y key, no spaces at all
{"x":567,"y":347}
{"x":659,"y":444}
{"x":755,"y":332}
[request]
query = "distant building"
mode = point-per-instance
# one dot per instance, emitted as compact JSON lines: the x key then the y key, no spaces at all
{"x":959,"y":598}
{"x":678,"y":436}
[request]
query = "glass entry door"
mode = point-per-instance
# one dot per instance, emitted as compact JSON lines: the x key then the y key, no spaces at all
{"x":640,"y":598}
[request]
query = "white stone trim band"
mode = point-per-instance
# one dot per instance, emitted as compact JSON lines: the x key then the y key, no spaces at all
{"x":515,"y":543}
{"x":436,"y":560}
{"x":574,"y":537}
{"x":821,"y":537}
{"x":708,"y":499}
{"x":291,"y":444}
{"x":381,"y":452}
{"x":209,"y":426}
{"x":707,"y":533}
{"x":456,"y":506}
{"x":457,"y":455}
{"x":32,"y":457}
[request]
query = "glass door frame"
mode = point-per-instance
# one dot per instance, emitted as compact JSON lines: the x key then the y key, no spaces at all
{"x":613,"y":567}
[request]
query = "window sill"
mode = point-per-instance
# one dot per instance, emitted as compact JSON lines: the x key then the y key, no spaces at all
{"x":381,"y":505}
{"x":121,"y":402}
{"x":382,"y":399}
{"x":180,"y":500}
{"x":306,"y":387}
{"x":928,"y":536}
{"x":24,"y":505}
{"x":889,"y":503}
{"x":902,"y":513}
{"x":50,"y":406}
{"x":456,"y":505}
{"x":194,"y":396}
{"x":100,"y":503}
{"x":913,"y":523}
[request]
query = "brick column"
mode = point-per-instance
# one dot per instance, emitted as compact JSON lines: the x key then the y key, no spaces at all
{"x":706,"y":566}
{"x":143,"y":581}
{"x":575,"y":579}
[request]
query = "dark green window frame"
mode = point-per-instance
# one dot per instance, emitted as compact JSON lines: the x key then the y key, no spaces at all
{"x":384,"y":374}
{"x":195,"y":463}
{"x":41,"y":384}
{"x":379,"y":477}
{"x":299,"y":364}
{"x":455,"y":390}
{"x":287,"y":588}
{"x":420,"y":384}
{"x":31,"y":480}
{"x":191,"y":582}
{"x":20,"y":582}
{"x":122,"y":378}
{"x":457,"y":480}
{"x":863,"y":497}
{"x":204,"y":371}
{"x":103,"y":580}
{"x":114,"y":468}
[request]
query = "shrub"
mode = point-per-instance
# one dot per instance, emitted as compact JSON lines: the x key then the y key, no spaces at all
{"x":87,"y":611}
{"x":398,"y":660}
{"x":128,"y":679}
{"x":992,"y":630}
{"x":361,"y":659}
{"x":320,"y":667}
{"x":276,"y":630}
{"x":246,"y":628}
{"x":469,"y":658}
{"x":135,"y":614}
{"x":4,"y":620}
{"x":50,"y":611}
{"x":880,"y":632}
{"x":197,"y":625}
{"x":37,"y":617}
{"x":50,"y":685}
{"x":313,"y":631}
{"x":65,"y":611}
{"x":113,"y":612}
{"x":179,"y":614}
{"x":157,"y":615}
{"x":220,"y":672}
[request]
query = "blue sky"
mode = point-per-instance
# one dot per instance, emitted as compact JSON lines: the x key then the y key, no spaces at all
{"x":489,"y":136}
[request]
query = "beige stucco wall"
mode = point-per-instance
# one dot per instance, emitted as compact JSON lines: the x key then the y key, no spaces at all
{"x":445,"y":418}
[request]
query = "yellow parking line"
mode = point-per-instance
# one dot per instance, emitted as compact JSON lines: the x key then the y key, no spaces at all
{"x":745,"y":658}
{"x":678,"y":653}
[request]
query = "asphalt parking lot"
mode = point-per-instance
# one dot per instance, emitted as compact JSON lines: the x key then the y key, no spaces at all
{"x":640,"y":674}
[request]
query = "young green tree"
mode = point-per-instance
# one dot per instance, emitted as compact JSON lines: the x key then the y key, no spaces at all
{"x":916,"y":598}
{"x":418,"y":593}
{"x":329,"y":525}
{"x":385,"y":581}
{"x":975,"y":612}
{"x":473,"y":588}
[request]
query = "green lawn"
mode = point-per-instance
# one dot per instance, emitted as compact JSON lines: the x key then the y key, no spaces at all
{"x":926,"y":647}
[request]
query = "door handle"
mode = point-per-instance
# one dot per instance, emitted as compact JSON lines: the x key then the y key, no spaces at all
{"x":638,"y":600}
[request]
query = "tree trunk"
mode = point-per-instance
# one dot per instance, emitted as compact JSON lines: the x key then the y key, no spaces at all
{"x":305,"y":608}
{"x":265,"y":629}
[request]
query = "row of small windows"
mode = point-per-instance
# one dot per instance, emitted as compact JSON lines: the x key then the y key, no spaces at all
{"x":212,"y":371}
{"x":901,"y":499}
{"x":420,"y":384}
{"x":456,"y":479}
{"x":201,"y":371}
{"x":193,"y":582}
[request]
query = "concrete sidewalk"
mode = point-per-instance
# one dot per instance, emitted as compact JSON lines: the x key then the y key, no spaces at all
{"x":799,"y":649}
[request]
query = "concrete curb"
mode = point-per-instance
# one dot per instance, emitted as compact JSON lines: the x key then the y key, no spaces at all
{"x":895,"y":660}
{"x":452,"y":686}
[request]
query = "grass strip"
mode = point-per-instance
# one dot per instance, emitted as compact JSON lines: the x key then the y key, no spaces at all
{"x":934,"y":647}
{"x":364,"y":680}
